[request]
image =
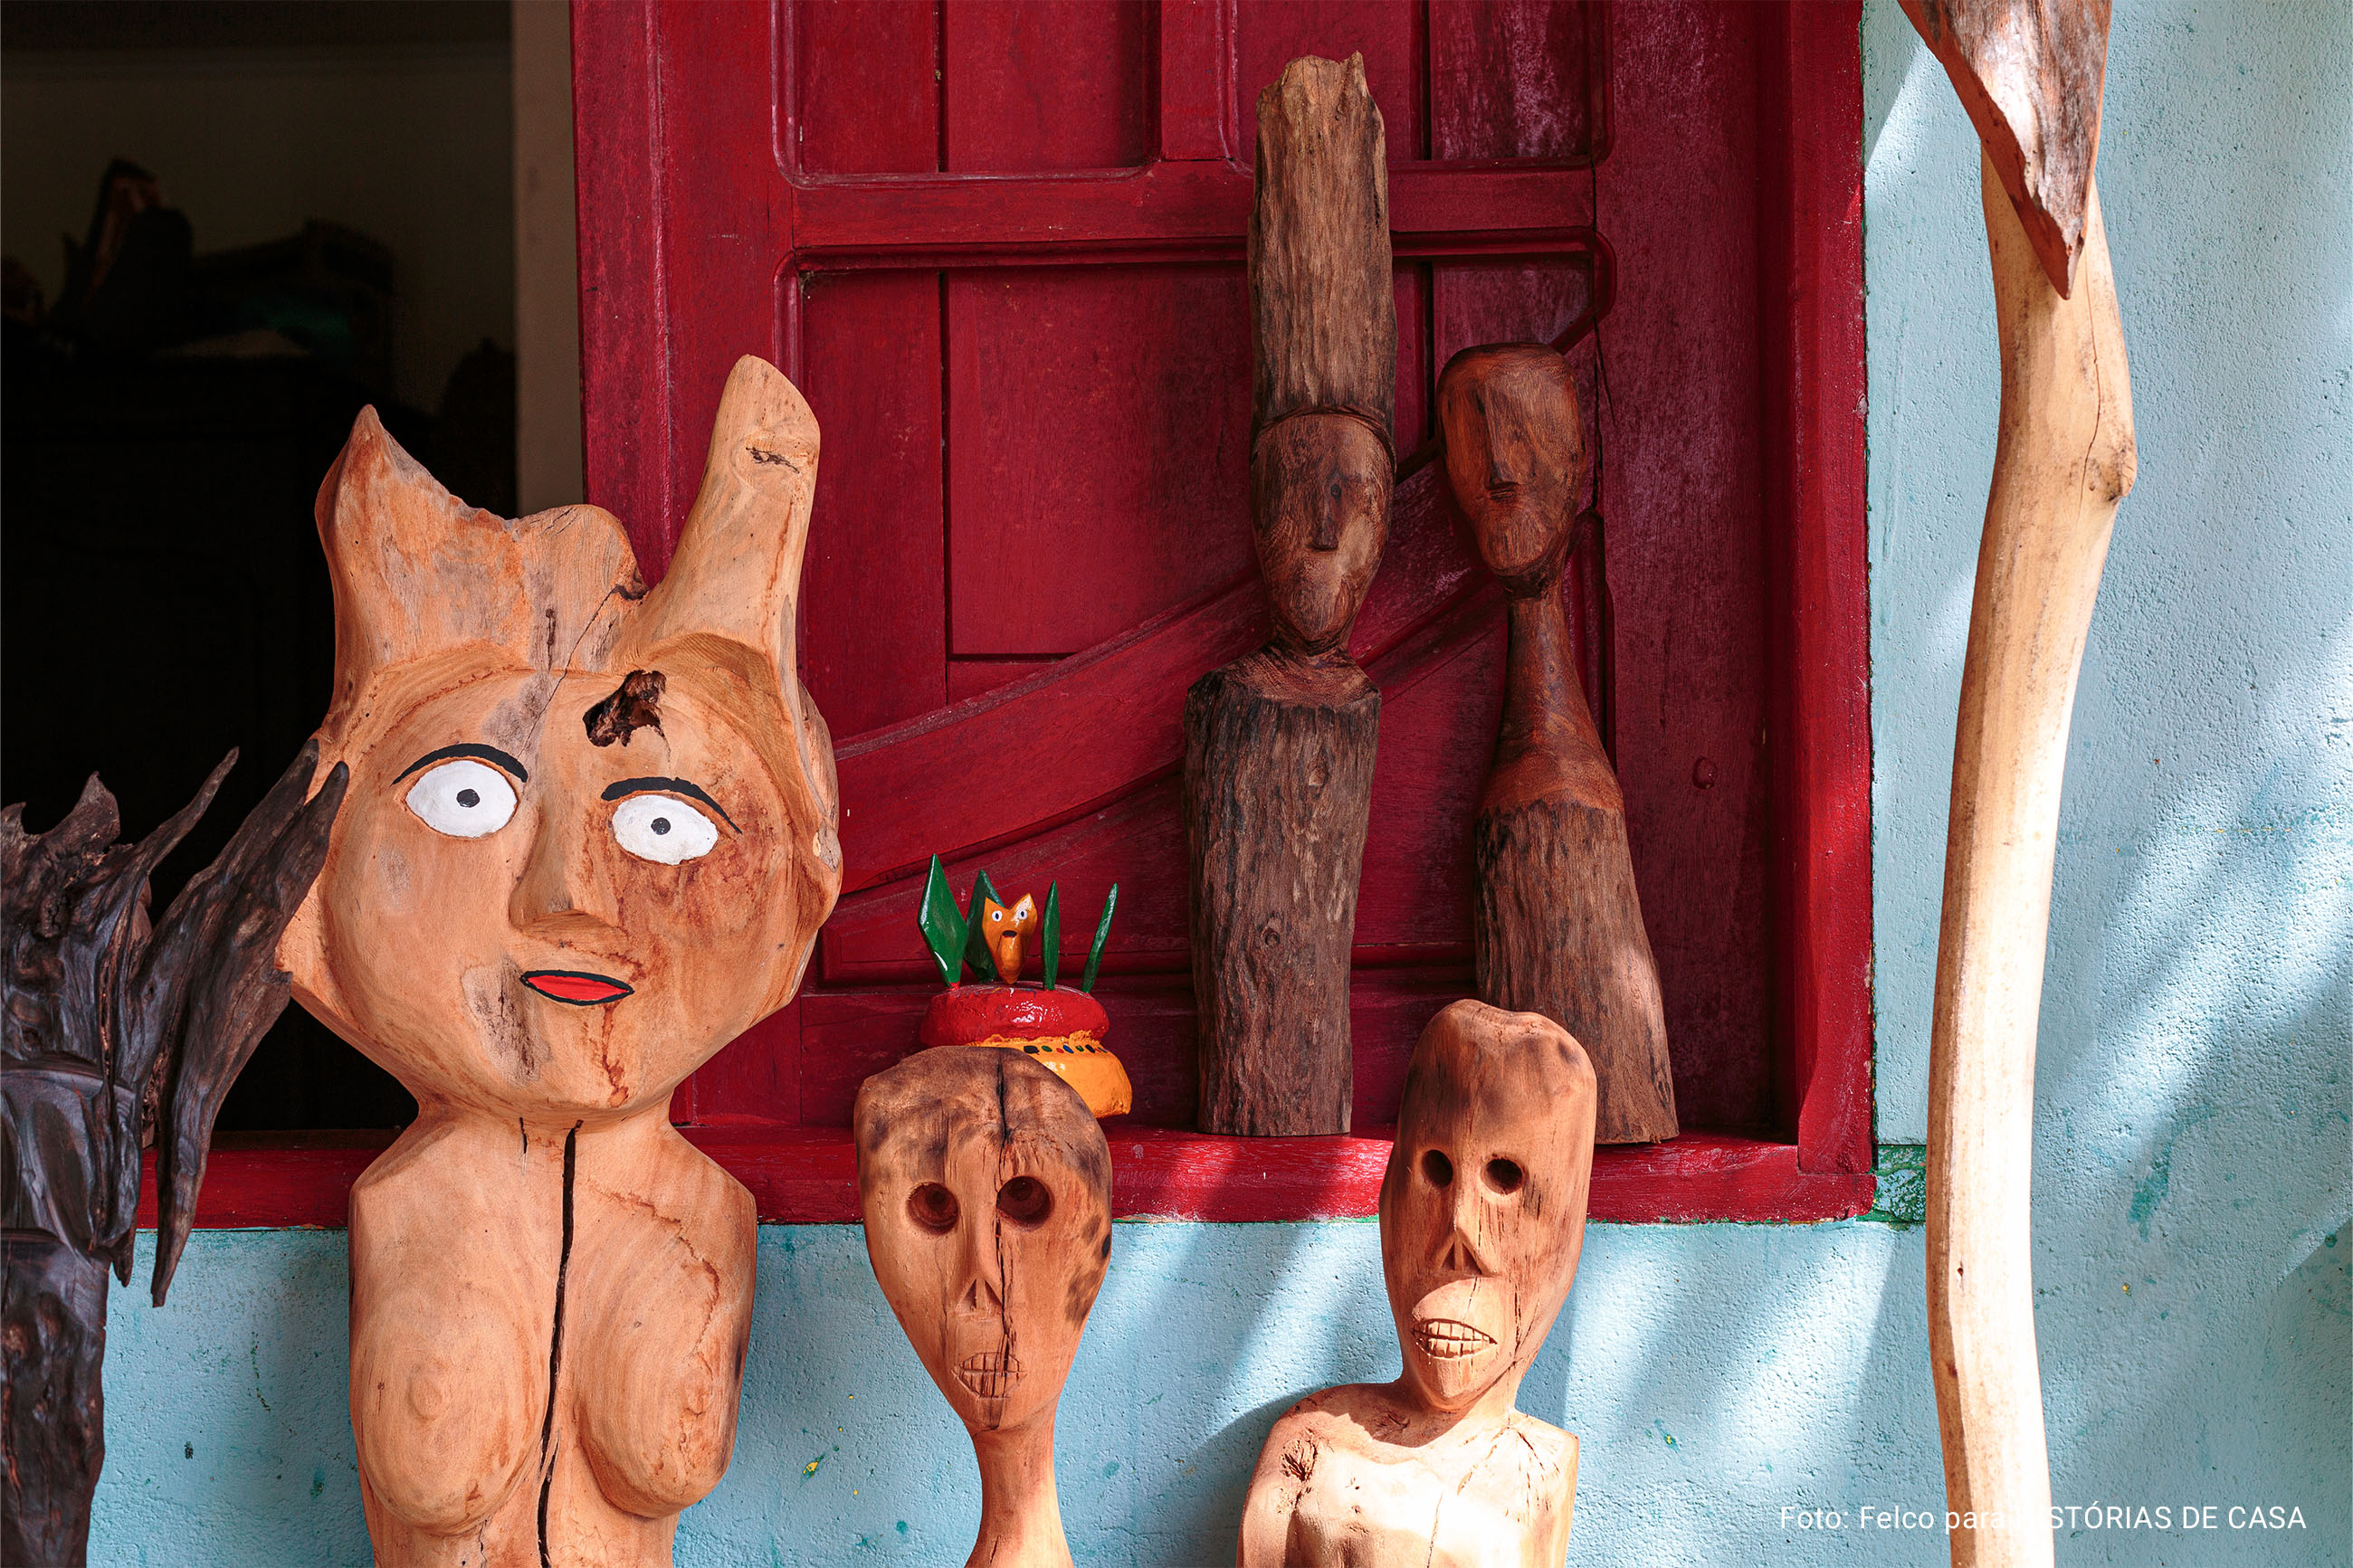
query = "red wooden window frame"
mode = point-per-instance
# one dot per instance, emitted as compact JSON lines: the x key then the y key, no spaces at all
{"x":671,"y":257}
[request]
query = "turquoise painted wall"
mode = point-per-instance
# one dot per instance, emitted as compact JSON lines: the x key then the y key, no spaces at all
{"x":2192,"y":1174}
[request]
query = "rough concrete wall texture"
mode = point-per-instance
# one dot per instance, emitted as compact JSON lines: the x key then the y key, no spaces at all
{"x":2192,"y":1180}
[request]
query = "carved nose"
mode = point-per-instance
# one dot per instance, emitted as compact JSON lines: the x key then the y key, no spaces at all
{"x":1327,"y":520}
{"x":979,"y":1292}
{"x":559,"y":887}
{"x":1458,"y":1253}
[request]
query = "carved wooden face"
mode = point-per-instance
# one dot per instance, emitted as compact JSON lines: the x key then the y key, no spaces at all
{"x":590,"y":833}
{"x":1007,"y":931}
{"x":1482,"y":1207}
{"x":1514,"y":454}
{"x":985,"y":1187}
{"x":1320,"y":511}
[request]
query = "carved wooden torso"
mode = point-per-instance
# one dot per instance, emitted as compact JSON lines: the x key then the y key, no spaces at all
{"x":1359,"y":1496}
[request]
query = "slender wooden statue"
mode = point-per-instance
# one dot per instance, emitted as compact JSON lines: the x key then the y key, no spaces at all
{"x":1482,"y":1216}
{"x":115,"y":1034}
{"x":1557,"y":929}
{"x":986,"y":1187}
{"x":589,"y":840}
{"x":1278,"y":745}
{"x":2030,"y":76}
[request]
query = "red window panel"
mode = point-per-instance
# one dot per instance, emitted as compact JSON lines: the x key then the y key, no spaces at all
{"x":999,"y":248}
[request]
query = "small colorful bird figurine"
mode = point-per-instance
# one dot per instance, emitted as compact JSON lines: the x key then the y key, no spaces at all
{"x":1007,"y":931}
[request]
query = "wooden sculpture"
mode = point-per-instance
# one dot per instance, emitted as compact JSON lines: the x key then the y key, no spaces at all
{"x":2031,"y":78}
{"x":1483,"y":1215}
{"x":117,"y":1034}
{"x":1279,"y":745}
{"x":986,"y":1188}
{"x":1059,"y":1026}
{"x":589,"y":840}
{"x":1557,"y":928}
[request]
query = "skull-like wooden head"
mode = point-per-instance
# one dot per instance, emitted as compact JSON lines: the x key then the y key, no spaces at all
{"x":590,"y":834}
{"x":1482,"y":1207}
{"x":985,"y":1187}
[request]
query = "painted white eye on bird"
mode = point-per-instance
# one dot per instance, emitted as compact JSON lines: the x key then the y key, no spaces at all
{"x":463,"y":798}
{"x":664,"y":828}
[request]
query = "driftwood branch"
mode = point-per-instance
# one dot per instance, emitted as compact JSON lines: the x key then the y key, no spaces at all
{"x":118,"y":1033}
{"x":2064,"y":461}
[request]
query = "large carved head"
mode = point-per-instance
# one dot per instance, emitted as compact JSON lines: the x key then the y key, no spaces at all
{"x":1482,"y":1207}
{"x":590,"y":833}
{"x":1515,"y":455}
{"x":985,"y":1187}
{"x":1320,"y":487}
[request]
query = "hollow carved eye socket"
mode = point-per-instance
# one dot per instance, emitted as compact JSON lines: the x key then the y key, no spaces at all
{"x":1437,"y":1168}
{"x":934,"y":1207}
{"x":1505,"y":1175}
{"x":664,"y":828}
{"x":1025,"y":1200}
{"x":464,"y":799}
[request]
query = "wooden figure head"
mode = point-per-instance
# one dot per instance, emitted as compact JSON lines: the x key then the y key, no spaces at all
{"x":985,"y":1187}
{"x":590,"y":834}
{"x":1007,"y":931}
{"x":1515,"y":457}
{"x":1323,"y":348}
{"x":1483,"y":1206}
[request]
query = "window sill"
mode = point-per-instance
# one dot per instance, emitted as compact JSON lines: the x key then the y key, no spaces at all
{"x":809,"y":1176}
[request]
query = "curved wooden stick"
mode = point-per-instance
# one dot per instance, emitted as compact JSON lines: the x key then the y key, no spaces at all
{"x":2064,"y":461}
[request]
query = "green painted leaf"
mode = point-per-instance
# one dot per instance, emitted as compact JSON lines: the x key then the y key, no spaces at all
{"x":1103,"y":935}
{"x":943,"y":925}
{"x":1049,"y":933}
{"x":975,"y":945}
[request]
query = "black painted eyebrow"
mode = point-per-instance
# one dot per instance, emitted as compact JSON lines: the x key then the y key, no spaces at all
{"x":669,"y":786}
{"x":469,"y":749}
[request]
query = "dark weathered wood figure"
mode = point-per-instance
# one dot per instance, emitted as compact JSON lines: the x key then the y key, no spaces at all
{"x":1557,"y":929}
{"x":117,"y":1032}
{"x":1279,"y":745}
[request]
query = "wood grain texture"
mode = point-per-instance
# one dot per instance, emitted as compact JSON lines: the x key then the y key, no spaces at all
{"x":1482,"y":1219}
{"x":2030,"y":72}
{"x":2064,"y":459}
{"x":118,"y":1033}
{"x":1278,"y":791}
{"x":984,"y":1186}
{"x":1323,"y":318}
{"x":541,"y":927}
{"x":1557,"y":929}
{"x":1280,"y":746}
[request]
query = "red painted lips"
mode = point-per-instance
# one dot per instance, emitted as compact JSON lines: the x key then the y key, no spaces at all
{"x":575,"y":987}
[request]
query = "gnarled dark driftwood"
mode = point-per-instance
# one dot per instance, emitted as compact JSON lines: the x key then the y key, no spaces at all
{"x":116,"y":1033}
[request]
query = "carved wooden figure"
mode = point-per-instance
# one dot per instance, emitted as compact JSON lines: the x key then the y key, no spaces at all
{"x":986,"y":1187}
{"x":117,"y":1034}
{"x":589,"y":839}
{"x":1278,"y":745}
{"x":1482,"y":1216}
{"x":1557,"y":928}
{"x":2030,"y":76}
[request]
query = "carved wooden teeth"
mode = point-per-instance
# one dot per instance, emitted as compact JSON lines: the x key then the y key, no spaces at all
{"x":1446,"y":1339}
{"x":991,"y":1374}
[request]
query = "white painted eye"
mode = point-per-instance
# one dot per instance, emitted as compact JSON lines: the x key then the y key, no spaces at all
{"x":465,"y":799}
{"x":662,"y":828}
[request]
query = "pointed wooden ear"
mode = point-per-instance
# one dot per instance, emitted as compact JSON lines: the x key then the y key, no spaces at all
{"x":737,"y":570}
{"x":418,"y":571}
